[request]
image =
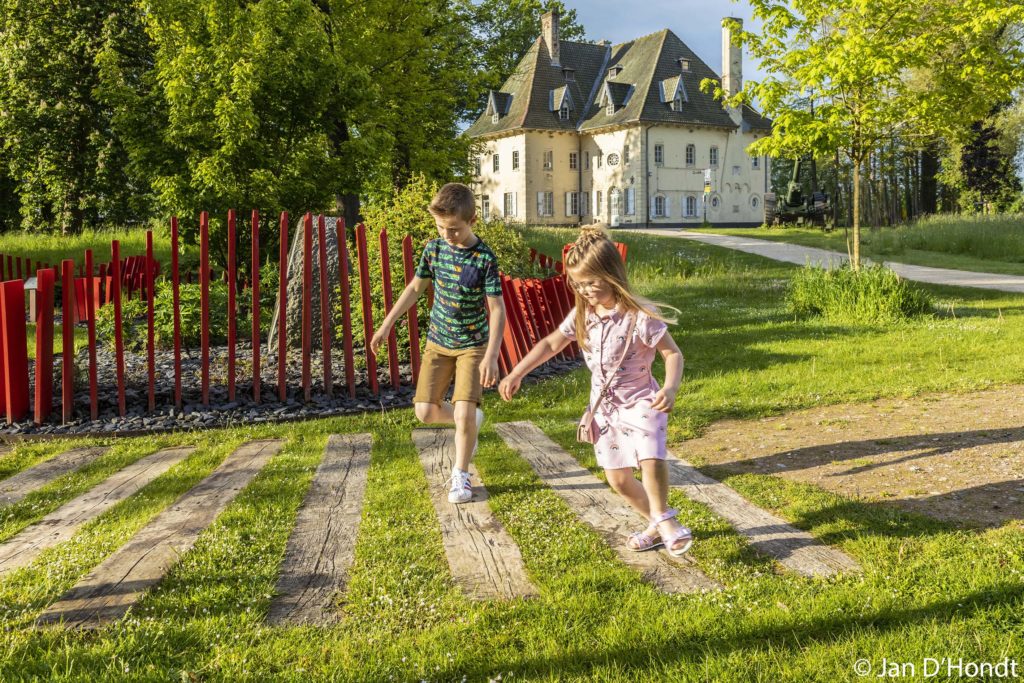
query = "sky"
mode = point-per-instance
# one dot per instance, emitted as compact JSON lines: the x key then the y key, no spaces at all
{"x":698,"y":23}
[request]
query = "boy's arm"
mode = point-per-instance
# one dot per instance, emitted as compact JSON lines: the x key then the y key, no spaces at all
{"x":407,"y":300}
{"x":546,"y":349}
{"x":496,"y":322}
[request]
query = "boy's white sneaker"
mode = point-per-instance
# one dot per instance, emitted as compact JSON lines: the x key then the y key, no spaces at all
{"x":461,"y":491}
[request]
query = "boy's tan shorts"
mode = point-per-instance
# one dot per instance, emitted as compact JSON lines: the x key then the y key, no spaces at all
{"x":437,"y":367}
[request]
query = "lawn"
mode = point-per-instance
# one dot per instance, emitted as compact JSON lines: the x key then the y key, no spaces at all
{"x":53,"y":247}
{"x":927,"y":590}
{"x":986,"y":245}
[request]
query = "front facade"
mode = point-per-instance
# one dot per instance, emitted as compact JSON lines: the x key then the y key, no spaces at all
{"x":618,"y":134}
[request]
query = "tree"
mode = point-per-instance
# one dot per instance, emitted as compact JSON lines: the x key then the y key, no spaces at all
{"x":58,"y":145}
{"x":875,"y":69}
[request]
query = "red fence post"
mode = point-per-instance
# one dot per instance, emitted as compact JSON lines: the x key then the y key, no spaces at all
{"x":204,"y":299}
{"x":67,"y":377}
{"x":176,"y":296}
{"x":307,"y":303}
{"x":17,"y":262}
{"x":385,"y":270}
{"x":282,"y":303}
{"x":364,"y":291}
{"x":10,"y":267}
{"x":255,"y":306}
{"x":90,"y":301}
{"x":414,"y":324}
{"x":115,"y":285}
{"x":15,"y":354}
{"x":232,"y":327}
{"x":44,"y":345}
{"x":3,"y":273}
{"x":346,"y":307}
{"x":325,"y":319}
{"x":150,"y":321}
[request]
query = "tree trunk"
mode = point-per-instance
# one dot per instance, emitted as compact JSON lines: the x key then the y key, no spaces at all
{"x":855,"y":258}
{"x":929,"y":187}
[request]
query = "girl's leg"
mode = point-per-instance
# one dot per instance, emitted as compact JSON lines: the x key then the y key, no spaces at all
{"x":655,"y":485}
{"x":626,"y":485}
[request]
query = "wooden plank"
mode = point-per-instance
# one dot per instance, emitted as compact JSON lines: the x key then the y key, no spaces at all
{"x":601,"y":508}
{"x":109,"y":590}
{"x":282,"y":305}
{"x":254,"y":307}
{"x":323,"y":545}
{"x":61,"y":524}
{"x":325,"y":305}
{"x":204,"y":304}
{"x":232,"y":304}
{"x":67,"y":375}
{"x":25,"y":482}
{"x":770,"y":535}
{"x":484,"y":559}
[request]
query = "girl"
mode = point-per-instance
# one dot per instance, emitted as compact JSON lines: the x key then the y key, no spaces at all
{"x":633,"y":414}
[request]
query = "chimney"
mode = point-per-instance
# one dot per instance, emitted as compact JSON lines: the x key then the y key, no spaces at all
{"x":549,"y":34}
{"x":732,"y":59}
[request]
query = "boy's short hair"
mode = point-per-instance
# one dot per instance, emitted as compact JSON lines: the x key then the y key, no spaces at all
{"x":453,"y":199}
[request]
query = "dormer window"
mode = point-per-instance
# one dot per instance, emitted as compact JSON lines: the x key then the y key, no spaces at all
{"x":677,"y":103}
{"x":614,"y":71}
{"x":684,"y":64}
{"x":570,"y":75}
{"x":610,"y":110}
{"x":563,"y":113}
{"x":495,"y":117}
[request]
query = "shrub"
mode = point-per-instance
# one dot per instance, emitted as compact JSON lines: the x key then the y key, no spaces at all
{"x":871,"y":295}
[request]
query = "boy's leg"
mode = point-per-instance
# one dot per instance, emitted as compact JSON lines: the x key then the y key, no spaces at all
{"x":466,"y":398}
{"x":436,"y":371}
{"x":465,"y":433}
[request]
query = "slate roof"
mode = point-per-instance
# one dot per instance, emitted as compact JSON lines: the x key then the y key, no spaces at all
{"x":643,"y":70}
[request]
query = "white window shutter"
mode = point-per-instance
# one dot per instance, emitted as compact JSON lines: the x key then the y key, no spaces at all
{"x":654,"y":206}
{"x":630,"y":201}
{"x":568,"y":203}
{"x":515,"y":204}
{"x":668,"y":206}
{"x":540,"y":203}
{"x":585,"y":204}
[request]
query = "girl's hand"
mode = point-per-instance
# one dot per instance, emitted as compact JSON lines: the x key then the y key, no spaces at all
{"x":509,"y":386}
{"x":665,"y":399}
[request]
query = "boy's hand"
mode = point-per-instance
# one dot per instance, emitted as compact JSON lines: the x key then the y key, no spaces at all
{"x":379,"y":337}
{"x":509,"y":386}
{"x":489,"y":372}
{"x":665,"y":399}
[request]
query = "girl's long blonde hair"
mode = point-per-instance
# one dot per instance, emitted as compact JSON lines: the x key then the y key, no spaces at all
{"x":594,"y":255}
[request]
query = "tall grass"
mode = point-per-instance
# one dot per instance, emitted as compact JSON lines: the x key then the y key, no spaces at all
{"x":54,"y":247}
{"x":1000,"y":238}
{"x":865,"y":296}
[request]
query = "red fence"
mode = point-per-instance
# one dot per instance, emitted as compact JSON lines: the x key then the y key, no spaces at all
{"x":534,"y":307}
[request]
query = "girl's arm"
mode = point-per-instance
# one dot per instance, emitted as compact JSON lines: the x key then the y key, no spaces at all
{"x":543,"y":351}
{"x":666,"y":396}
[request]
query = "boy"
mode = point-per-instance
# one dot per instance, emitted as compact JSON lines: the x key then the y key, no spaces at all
{"x":464,"y":338}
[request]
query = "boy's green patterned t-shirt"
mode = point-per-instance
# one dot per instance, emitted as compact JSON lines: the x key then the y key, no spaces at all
{"x":462,"y":277}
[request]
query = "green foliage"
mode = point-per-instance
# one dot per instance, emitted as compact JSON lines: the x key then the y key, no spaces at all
{"x":874,"y":295}
{"x":133,"y":316}
{"x":70,"y":170}
{"x":849,"y":77}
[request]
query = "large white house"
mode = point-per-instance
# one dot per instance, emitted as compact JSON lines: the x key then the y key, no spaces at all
{"x":620,"y":134}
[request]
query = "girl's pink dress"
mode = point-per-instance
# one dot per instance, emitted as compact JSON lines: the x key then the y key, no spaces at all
{"x":630,"y":430}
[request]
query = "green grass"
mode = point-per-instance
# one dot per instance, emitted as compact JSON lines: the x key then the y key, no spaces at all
{"x":53,"y":247}
{"x":928,"y":589}
{"x":81,"y":338}
{"x":980,"y":244}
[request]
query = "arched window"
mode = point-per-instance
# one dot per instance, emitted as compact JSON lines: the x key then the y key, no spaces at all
{"x":691,"y":206}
